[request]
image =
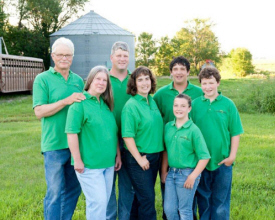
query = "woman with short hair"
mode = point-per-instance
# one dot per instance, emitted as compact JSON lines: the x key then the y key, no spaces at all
{"x":142,"y":131}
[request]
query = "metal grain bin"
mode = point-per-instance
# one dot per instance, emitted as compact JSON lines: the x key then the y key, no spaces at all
{"x":93,"y":37}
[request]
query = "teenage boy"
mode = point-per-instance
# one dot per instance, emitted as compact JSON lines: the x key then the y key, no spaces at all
{"x":164,"y":97}
{"x":220,"y":123}
{"x":119,"y":76}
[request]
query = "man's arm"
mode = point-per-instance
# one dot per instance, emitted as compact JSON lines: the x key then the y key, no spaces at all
{"x":47,"y":110}
{"x":235,"y":140}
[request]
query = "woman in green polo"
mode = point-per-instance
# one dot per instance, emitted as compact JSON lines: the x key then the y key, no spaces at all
{"x":187,"y":157}
{"x":142,"y":131}
{"x":92,"y":137}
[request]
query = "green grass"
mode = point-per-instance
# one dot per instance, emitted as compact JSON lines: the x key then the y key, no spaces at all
{"x":22,"y":182}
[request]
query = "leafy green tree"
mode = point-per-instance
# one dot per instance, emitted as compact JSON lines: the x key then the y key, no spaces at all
{"x":145,"y":50}
{"x":241,"y":61}
{"x":163,"y":56}
{"x":41,"y":19}
{"x":197,"y":42}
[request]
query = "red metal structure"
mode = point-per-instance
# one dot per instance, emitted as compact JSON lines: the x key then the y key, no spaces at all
{"x":17,"y":73}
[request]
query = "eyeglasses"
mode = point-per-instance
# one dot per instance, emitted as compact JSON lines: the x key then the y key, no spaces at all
{"x":67,"y":56}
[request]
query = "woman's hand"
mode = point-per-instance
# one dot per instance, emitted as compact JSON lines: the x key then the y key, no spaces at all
{"x":189,"y":183}
{"x":144,"y":163}
{"x":79,"y":166}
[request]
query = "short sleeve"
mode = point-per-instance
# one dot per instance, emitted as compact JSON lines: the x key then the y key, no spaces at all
{"x":129,"y":122}
{"x":75,"y":118}
{"x":40,"y":92}
{"x":200,"y":146}
{"x":235,"y":124}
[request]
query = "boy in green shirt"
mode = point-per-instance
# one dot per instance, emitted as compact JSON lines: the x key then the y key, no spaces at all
{"x":219,"y":121}
{"x":164,"y":97}
{"x":187,"y":157}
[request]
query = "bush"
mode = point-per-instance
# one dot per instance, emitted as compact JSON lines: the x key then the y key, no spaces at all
{"x":261,"y":98}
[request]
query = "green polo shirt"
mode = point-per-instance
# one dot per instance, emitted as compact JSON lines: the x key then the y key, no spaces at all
{"x":143,"y":122}
{"x":185,"y":145}
{"x":50,"y":87}
{"x":218,"y":121}
{"x":165,"y":96}
{"x":97,"y":131}
{"x":120,"y":97}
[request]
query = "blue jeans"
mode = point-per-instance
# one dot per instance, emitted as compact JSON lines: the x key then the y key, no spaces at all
{"x":143,"y":183}
{"x":214,"y":193}
{"x":96,"y":185}
{"x":63,"y":188}
{"x":177,"y":199}
{"x":125,"y":196}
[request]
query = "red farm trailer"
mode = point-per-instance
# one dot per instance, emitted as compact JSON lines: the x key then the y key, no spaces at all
{"x":17,"y":73}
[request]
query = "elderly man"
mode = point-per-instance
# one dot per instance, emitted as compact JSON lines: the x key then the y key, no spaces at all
{"x":119,"y":76}
{"x":53,"y":91}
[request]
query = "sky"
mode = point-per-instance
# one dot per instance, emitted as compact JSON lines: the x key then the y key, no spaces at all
{"x":238,"y":23}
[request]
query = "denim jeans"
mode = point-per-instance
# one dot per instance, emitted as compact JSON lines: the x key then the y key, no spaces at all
{"x":63,"y":188}
{"x":214,"y":193}
{"x":143,"y":183}
{"x":125,"y":193}
{"x":96,"y":185}
{"x":177,"y":199}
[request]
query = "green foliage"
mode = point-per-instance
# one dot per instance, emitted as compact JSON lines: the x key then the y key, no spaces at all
{"x":261,"y":97}
{"x":163,"y":56}
{"x":197,"y":42}
{"x":241,"y":62}
{"x":145,"y":50}
{"x":42,"y":18}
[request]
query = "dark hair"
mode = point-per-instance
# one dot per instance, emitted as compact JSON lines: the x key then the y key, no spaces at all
{"x":141,"y":70}
{"x":208,"y":72}
{"x":183,"y":96}
{"x":180,"y":60}
{"x":108,"y":94}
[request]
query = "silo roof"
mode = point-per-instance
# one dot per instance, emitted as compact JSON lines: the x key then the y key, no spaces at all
{"x":92,"y":23}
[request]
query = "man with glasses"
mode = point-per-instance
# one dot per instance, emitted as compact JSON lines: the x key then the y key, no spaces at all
{"x":53,"y":92}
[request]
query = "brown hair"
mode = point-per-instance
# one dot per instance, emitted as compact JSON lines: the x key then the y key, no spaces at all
{"x":208,"y":72}
{"x":107,"y":96}
{"x":184,"y":96}
{"x":141,"y":70}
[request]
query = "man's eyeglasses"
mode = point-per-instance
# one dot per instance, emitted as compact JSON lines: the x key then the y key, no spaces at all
{"x":67,"y":56}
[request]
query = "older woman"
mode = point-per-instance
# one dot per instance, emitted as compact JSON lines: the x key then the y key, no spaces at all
{"x":92,"y":137}
{"x":142,"y":131}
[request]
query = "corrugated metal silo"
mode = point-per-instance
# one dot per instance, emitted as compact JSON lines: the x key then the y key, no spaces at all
{"x":93,"y":37}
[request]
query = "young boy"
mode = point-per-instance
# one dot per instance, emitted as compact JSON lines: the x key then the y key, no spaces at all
{"x":220,"y":123}
{"x":187,"y":157}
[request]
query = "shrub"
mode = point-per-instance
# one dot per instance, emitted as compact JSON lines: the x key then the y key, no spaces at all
{"x":261,"y":98}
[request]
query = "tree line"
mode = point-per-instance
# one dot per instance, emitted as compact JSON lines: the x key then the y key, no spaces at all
{"x":197,"y":42}
{"x":37,"y":20}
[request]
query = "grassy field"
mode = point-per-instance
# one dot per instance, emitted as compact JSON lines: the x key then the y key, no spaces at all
{"x":22,"y":183}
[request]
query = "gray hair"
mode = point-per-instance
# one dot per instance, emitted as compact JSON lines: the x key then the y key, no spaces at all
{"x":108,"y":94}
{"x":120,"y":45}
{"x":63,"y":41}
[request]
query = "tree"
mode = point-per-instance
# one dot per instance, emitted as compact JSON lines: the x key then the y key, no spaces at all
{"x":145,"y":50}
{"x":197,"y":42}
{"x":40,"y":19}
{"x":164,"y":56}
{"x":241,"y":60}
